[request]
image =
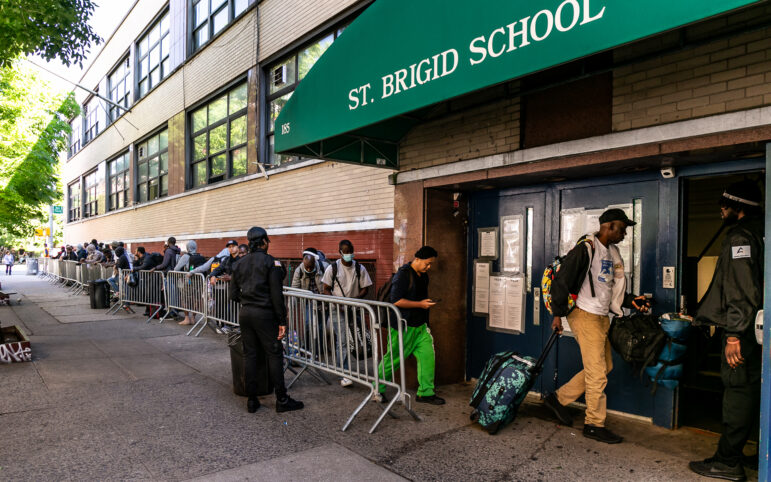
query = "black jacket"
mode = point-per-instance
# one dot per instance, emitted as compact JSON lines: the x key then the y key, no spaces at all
{"x":169,"y":258}
{"x":736,"y":292}
{"x":226,"y":266}
{"x":257,"y":282}
{"x":407,"y":285}
{"x":149,"y":261}
{"x":122,"y":262}
{"x":569,"y":279}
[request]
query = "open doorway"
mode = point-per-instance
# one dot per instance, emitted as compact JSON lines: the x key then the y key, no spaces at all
{"x":701,"y":390}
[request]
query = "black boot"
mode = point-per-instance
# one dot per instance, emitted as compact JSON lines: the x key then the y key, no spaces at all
{"x":718,"y":470}
{"x":601,"y":434}
{"x":560,"y":411}
{"x":288,"y":404}
{"x":252,"y":404}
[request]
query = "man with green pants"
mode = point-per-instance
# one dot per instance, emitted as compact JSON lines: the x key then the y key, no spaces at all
{"x":409,"y":292}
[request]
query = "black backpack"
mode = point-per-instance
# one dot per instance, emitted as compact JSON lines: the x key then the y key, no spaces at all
{"x":195,"y":260}
{"x":638,"y":338}
{"x":384,"y":293}
{"x":156,"y":258}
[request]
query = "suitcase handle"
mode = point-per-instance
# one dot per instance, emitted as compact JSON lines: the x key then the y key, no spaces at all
{"x":541,"y":359}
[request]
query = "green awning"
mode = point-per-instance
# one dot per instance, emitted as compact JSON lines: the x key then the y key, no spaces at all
{"x":400,"y":56}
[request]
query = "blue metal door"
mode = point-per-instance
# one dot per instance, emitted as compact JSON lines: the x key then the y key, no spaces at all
{"x":625,"y":390}
{"x":486,"y":210}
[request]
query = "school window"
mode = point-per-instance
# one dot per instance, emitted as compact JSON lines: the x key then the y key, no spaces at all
{"x":118,"y":181}
{"x":283,"y":78}
{"x":73,"y":196}
{"x":76,"y":136}
{"x":219,"y":138}
{"x":92,"y":120}
{"x":119,"y":82}
{"x":90,"y":205}
{"x":153,"y":167}
{"x":211,"y":16}
{"x":153,"y":55}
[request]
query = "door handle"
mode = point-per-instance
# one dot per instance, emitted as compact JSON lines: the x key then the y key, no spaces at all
{"x":536,"y":306}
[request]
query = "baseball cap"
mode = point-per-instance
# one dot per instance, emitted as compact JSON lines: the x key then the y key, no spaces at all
{"x":232,"y":242}
{"x":616,"y":214}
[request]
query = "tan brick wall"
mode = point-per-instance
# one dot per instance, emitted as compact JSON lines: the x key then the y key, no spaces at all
{"x":196,"y":80}
{"x":284,"y":21}
{"x":484,"y":130}
{"x":722,"y":76}
{"x":322,"y":194}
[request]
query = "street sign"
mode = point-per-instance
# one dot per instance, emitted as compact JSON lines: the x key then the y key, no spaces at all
{"x":58,"y":210}
{"x":42,"y":232}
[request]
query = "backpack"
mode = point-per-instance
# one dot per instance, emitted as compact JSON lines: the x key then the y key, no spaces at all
{"x":195,"y":260}
{"x":638,"y":338}
{"x":551,"y":272}
{"x":157,"y":258}
{"x":384,"y":293}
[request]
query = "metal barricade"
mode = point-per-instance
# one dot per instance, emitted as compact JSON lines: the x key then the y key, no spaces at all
{"x":187,"y":292}
{"x":345,"y":337}
{"x":148,"y":291}
{"x":42,"y":267}
{"x":70,"y":275}
{"x":220,"y":308}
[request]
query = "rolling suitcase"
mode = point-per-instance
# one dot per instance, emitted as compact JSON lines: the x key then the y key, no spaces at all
{"x":503,"y":385}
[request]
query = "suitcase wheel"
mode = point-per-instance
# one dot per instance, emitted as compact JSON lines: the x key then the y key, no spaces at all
{"x":474,"y":415}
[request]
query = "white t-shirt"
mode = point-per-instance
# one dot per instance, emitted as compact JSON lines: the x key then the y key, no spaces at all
{"x":603,"y":273}
{"x":347,"y":279}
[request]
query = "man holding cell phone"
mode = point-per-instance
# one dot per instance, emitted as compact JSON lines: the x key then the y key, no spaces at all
{"x":409,"y":292}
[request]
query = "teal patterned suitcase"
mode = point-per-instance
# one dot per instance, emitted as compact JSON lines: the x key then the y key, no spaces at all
{"x":503,"y":386}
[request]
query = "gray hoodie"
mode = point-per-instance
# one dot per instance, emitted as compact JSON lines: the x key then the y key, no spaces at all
{"x":192,"y":248}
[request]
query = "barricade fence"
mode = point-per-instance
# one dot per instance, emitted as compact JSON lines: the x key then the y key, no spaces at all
{"x":362,"y":340}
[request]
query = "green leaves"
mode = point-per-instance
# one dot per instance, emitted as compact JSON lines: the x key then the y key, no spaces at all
{"x":33,"y":131}
{"x":49,"y":28}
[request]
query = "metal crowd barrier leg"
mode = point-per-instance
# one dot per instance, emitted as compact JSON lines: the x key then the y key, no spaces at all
{"x":187,"y":292}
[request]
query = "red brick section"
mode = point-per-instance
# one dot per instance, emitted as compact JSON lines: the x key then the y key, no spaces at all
{"x":375,"y":245}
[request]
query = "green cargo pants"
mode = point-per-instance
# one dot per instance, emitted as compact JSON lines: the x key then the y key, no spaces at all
{"x":418,"y":342}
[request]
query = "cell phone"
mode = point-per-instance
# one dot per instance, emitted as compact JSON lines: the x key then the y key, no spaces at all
{"x":437,"y":300}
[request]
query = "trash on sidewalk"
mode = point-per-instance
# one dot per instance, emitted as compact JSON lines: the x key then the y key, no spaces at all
{"x":14,"y":345}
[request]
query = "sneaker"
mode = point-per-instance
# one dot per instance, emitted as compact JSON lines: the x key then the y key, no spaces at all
{"x":432,"y":399}
{"x":601,"y":434}
{"x":718,"y":470}
{"x":560,"y":411}
{"x":252,"y":405}
{"x":380,"y":398}
{"x":288,"y":404}
{"x":345,"y":382}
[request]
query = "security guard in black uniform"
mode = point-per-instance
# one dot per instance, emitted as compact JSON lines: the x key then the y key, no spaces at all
{"x":732,"y":301}
{"x":256,"y":283}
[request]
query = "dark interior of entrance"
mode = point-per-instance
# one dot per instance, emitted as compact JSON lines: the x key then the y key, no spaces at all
{"x":701,"y":390}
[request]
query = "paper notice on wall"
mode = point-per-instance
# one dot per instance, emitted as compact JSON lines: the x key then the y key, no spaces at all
{"x":488,"y":240}
{"x":571,"y":228}
{"x":481,"y":287}
{"x":625,"y":247}
{"x":515,"y":290}
{"x":497,"y":307}
{"x":511,"y":241}
{"x":593,"y":220}
{"x":506,"y":307}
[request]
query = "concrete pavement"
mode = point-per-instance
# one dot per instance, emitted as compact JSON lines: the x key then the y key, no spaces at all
{"x":110,"y":397}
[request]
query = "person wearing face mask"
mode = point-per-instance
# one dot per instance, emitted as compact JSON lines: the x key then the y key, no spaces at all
{"x":733,"y":299}
{"x":594,"y":271}
{"x":344,"y":278}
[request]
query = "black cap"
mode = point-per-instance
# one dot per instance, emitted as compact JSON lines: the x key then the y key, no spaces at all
{"x":232,"y":242}
{"x":256,"y":233}
{"x":616,"y":214}
{"x":743,"y":192}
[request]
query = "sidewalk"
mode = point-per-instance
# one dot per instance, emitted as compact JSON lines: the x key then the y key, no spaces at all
{"x":110,"y":397}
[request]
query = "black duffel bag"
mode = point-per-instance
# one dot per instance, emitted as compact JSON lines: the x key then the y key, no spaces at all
{"x":638,"y":339}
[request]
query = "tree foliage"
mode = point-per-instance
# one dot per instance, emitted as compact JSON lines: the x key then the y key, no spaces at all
{"x":33,"y":131}
{"x":49,"y":28}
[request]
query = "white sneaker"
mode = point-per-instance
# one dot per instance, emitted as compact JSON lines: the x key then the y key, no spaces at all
{"x":345,"y":382}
